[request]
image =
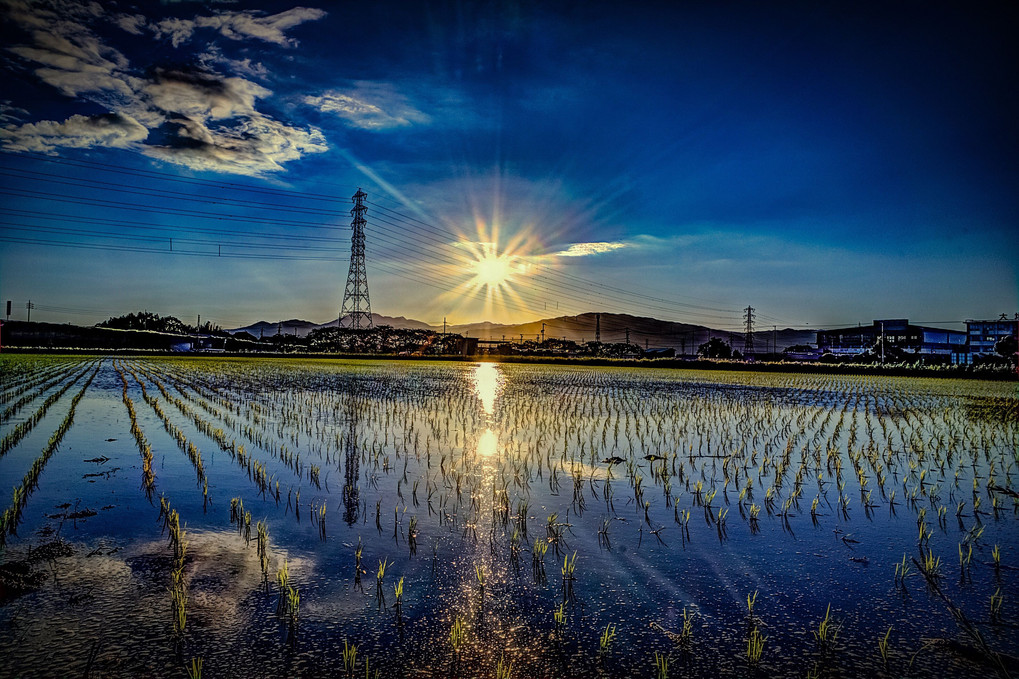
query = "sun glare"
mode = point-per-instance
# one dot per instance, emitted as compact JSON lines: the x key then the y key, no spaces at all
{"x":489,"y":271}
{"x":492,"y":270}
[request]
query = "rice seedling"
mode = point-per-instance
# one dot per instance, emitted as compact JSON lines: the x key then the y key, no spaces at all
{"x":569,"y":565}
{"x":751,"y":600}
{"x":194,"y":670}
{"x":559,"y":616}
{"x":902,"y":571}
{"x":503,"y":669}
{"x":349,"y":658}
{"x":827,"y":632}
{"x":930,"y":564}
{"x":283,"y":588}
{"x":538,"y":559}
{"x":479,"y":574}
{"x":379,"y":575}
{"x":996,"y":601}
{"x":262,"y":529}
{"x":661,"y":666}
{"x":458,"y":635}
{"x":606,"y":638}
{"x":398,"y":591}
{"x":965,"y":556}
{"x":755,"y":646}
{"x":884,"y":648}
{"x":996,"y":557}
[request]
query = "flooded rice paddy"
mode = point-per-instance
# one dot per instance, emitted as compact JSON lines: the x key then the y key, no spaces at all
{"x":228,"y":517}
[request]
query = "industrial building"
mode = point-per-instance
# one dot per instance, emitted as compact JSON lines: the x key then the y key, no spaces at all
{"x":983,"y":335}
{"x":935,"y":344}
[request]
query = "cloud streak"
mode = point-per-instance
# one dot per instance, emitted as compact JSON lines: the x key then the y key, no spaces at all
{"x":369,"y":106}
{"x":587,"y":249}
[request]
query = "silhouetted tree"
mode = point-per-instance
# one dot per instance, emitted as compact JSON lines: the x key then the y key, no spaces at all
{"x":1008,"y":347}
{"x":715,"y":348}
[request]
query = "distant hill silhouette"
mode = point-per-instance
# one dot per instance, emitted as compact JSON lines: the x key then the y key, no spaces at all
{"x":652,"y":332}
{"x":302,"y":328}
{"x":644,"y":331}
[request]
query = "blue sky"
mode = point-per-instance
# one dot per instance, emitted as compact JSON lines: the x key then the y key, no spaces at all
{"x":827,"y":163}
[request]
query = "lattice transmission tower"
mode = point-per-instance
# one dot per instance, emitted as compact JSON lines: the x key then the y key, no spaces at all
{"x":356,"y":311}
{"x":748,"y":331}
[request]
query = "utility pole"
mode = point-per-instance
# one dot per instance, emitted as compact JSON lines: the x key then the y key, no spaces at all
{"x":774,"y":338}
{"x":521,"y":338}
{"x":748,"y":336}
{"x":882,"y":342}
{"x":8,"y":310}
{"x":356,"y":305}
{"x":542,"y":333}
{"x":443,"y":326}
{"x":597,"y":327}
{"x":29,"y":306}
{"x":645,"y":343}
{"x":627,"y":335}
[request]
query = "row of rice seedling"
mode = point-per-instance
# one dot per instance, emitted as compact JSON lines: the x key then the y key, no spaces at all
{"x":23,"y":373}
{"x":178,"y":581}
{"x":144,"y":448}
{"x":194,"y":455}
{"x":12,"y":515}
{"x":22,"y":429}
{"x":256,"y":469}
{"x":30,"y":390}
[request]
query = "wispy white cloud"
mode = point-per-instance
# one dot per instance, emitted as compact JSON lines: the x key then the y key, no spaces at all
{"x":369,"y":106}
{"x":109,"y":130}
{"x":207,"y":121}
{"x":202,"y":95}
{"x":214,"y":59}
{"x":239,"y":25}
{"x":254,"y":146}
{"x":132,"y":23}
{"x":10,"y":113}
{"x":175,"y":29}
{"x":587,"y":249}
{"x":72,"y":59}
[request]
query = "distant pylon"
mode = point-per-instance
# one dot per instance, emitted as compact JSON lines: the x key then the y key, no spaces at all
{"x":597,"y":328}
{"x":356,"y":311}
{"x":748,"y":336}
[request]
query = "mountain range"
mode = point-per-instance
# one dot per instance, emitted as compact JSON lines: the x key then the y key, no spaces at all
{"x":643,"y":331}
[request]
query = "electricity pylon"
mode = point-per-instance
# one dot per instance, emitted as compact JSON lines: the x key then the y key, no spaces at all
{"x":748,"y":336}
{"x":356,"y":309}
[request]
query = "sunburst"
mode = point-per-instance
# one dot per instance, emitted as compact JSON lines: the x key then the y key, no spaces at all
{"x":490,"y":271}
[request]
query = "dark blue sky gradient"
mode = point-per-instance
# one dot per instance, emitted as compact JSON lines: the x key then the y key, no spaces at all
{"x":826,"y":162}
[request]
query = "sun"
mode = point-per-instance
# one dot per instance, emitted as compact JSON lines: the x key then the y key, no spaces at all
{"x":491,"y":269}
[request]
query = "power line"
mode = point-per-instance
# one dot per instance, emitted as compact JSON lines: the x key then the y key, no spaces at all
{"x":126,"y":248}
{"x":424,"y":242}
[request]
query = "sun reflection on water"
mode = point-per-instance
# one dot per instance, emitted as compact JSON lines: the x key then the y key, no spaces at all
{"x":488,"y":444}
{"x":488,"y":381}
